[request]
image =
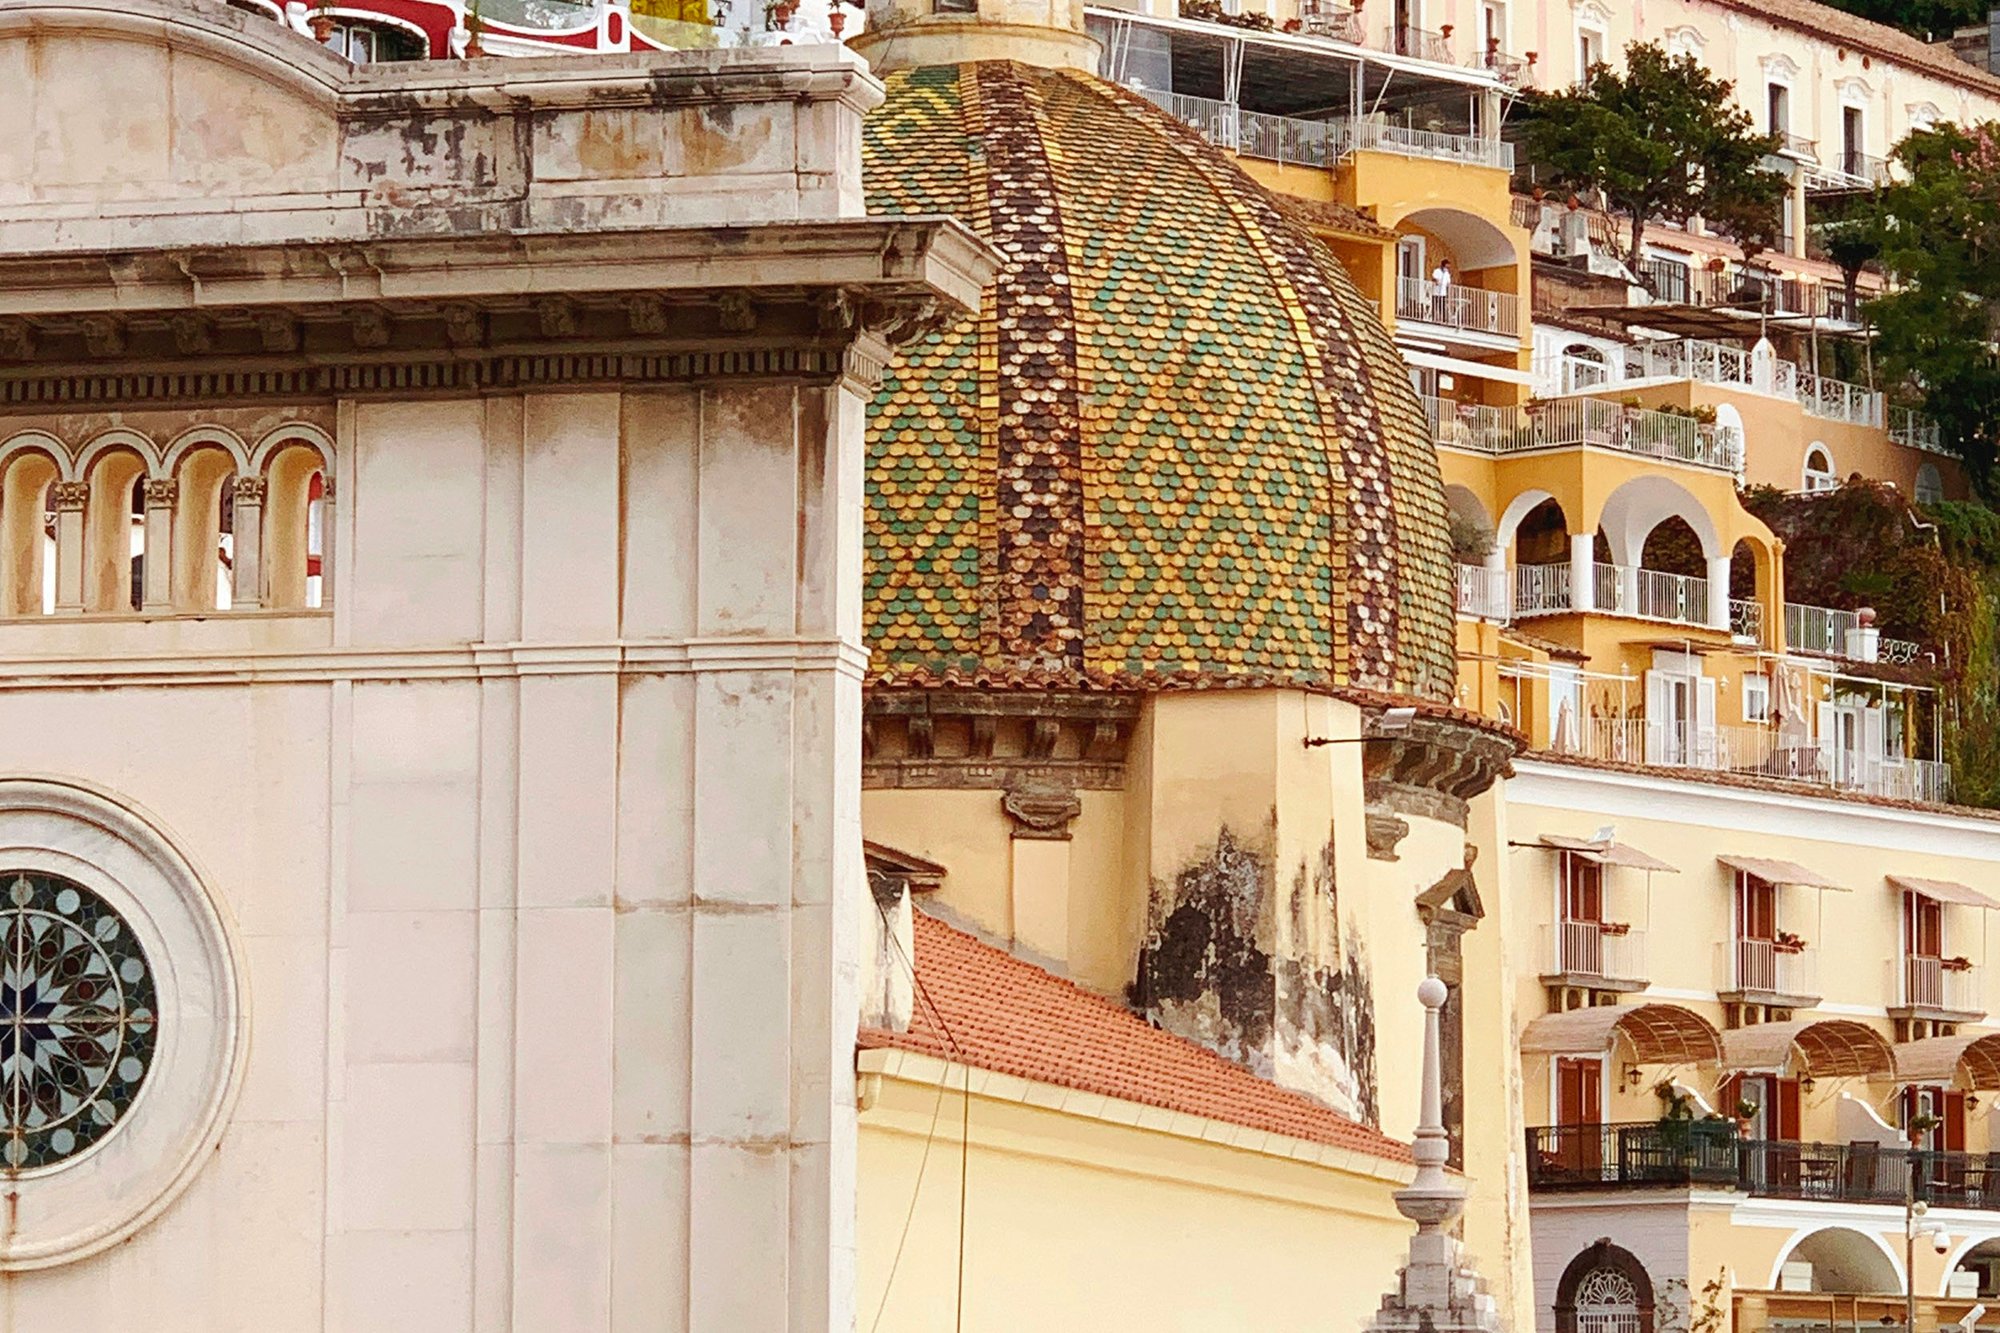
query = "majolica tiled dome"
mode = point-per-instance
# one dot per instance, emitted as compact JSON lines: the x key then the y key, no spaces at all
{"x":1178,"y":447}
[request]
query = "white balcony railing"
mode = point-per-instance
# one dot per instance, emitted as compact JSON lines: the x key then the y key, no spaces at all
{"x":1484,"y":594}
{"x":1761,"y":966}
{"x":1928,"y":984}
{"x":1589,"y":949}
{"x":1718,"y":363}
{"x":1570,"y":422}
{"x":1650,"y":594}
{"x":1479,"y":428}
{"x":1541,"y":590}
{"x":1321,"y":143}
{"x":1471,"y":309}
{"x":1909,"y":428}
{"x":1752,"y":751}
{"x":1827,"y":632}
{"x":1746,"y":620}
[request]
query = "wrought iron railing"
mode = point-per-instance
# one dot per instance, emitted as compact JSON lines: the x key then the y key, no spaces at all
{"x":1708,"y":1153}
{"x":1762,"y":967}
{"x":1594,"y":949}
{"x":1485,"y":594}
{"x":1319,"y":143}
{"x":1472,"y":309}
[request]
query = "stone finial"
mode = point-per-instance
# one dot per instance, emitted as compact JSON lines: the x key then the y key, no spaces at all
{"x":1437,"y":1291}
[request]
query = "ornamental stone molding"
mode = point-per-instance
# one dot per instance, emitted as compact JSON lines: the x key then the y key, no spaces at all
{"x":1432,"y":770}
{"x":1041,"y":809}
{"x":995,"y":740}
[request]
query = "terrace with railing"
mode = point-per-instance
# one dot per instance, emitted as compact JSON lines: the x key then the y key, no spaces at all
{"x":1322,"y":143}
{"x":1941,"y":986}
{"x":1708,"y":1153}
{"x":1752,"y":751}
{"x":1668,"y":360}
{"x":1823,"y":631}
{"x":1764,"y":970}
{"x":1911,"y":428}
{"x":1568,"y":423}
{"x":1600,"y":953}
{"x":1483,"y":594}
{"x":1468,"y":309}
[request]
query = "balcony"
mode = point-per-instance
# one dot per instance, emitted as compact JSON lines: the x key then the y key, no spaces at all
{"x":1938,"y":988}
{"x":1514,"y":71}
{"x":1915,"y":431}
{"x":1797,"y":146}
{"x":1850,"y":171}
{"x":1568,"y":423}
{"x":1762,"y":972}
{"x":1707,"y":1153}
{"x":1465,"y":309}
{"x":1717,"y":363}
{"x":1482,"y":594}
{"x":1321,"y":143}
{"x":1596,"y":955}
{"x":1419,"y":44}
{"x":1747,"y":751}
{"x":1618,"y":590}
{"x":1822,"y":631}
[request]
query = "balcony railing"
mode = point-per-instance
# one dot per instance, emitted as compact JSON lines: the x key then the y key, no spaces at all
{"x":1797,"y":145}
{"x":1717,"y":363}
{"x":1850,"y":170}
{"x":1542,"y":589}
{"x":1513,"y":71}
{"x":1420,"y":44}
{"x":1592,"y":949}
{"x":1760,"y":967}
{"x":1471,"y":309}
{"x":1682,"y":1153}
{"x":1927,"y":983}
{"x":1663,"y":435}
{"x":1330,"y":18}
{"x":1650,"y":594}
{"x":1746,"y":620}
{"x":1321,"y":143}
{"x":1478,"y":427}
{"x":1746,"y":751}
{"x":1824,"y":631}
{"x":1484,"y":594}
{"x":1910,"y":428}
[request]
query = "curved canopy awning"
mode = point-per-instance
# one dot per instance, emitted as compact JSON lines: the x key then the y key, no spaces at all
{"x":1825,"y":1048}
{"x":1660,"y":1034}
{"x":1970,"y":1061}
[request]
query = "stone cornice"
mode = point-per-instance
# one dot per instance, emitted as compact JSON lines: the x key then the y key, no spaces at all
{"x":815,"y":301}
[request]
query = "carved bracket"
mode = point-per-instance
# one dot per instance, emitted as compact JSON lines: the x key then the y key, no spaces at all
{"x":1041,"y":809}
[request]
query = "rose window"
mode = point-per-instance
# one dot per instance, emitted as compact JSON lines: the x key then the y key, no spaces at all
{"x":78,"y":1019}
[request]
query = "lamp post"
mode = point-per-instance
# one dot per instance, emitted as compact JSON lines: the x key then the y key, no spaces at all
{"x":1914,"y":1225}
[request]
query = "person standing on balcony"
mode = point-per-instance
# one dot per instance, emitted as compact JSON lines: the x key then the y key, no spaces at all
{"x":1441,"y":292}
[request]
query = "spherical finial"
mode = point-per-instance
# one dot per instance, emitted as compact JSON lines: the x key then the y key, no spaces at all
{"x":1431,"y":993}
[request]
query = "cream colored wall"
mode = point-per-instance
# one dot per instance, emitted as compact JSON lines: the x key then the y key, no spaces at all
{"x":1072,"y":1223}
{"x":1686,"y":916}
{"x":1735,"y":45}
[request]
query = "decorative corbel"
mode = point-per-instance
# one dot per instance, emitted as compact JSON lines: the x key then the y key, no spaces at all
{"x":1041,"y":809}
{"x":736,"y":311}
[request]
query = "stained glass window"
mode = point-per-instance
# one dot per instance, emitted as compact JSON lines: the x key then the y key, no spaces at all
{"x":78,"y":1018}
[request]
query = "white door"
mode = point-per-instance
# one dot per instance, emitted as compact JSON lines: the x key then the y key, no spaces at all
{"x":1706,"y":736}
{"x":1670,"y":716}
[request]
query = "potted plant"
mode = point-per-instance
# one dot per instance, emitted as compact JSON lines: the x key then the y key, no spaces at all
{"x":1746,"y":1111}
{"x":1959,"y":963}
{"x":322,"y":23}
{"x":1616,"y":929}
{"x":1921,"y":1124}
{"x":1786,"y":942}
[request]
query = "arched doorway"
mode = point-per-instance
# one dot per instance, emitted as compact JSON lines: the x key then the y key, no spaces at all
{"x":1605,"y":1289}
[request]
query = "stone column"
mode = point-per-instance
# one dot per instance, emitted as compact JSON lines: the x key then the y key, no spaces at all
{"x":248,"y":585}
{"x":1582,"y":570}
{"x":1718,"y":592}
{"x":157,"y":593}
{"x":69,"y":498}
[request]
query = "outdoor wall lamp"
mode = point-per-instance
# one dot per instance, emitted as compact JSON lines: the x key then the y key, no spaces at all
{"x":1392,"y":722}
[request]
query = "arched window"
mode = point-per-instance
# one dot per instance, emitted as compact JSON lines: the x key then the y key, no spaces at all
{"x":1583,"y":367}
{"x":1607,"y":1302}
{"x":1819,"y":470}
{"x":1930,"y":485}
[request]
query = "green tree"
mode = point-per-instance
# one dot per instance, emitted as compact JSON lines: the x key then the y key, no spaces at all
{"x":1936,"y":330}
{"x":1932,"y":20}
{"x":1664,"y":141}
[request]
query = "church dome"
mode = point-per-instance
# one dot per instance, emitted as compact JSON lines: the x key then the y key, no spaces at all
{"x":1176,"y":448}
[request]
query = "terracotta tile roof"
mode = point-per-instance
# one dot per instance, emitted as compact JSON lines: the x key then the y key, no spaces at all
{"x":1849,"y":30}
{"x":1334,"y":217}
{"x":1012,"y":1017}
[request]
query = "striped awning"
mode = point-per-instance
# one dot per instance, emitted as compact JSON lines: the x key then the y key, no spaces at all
{"x":1942,"y":891}
{"x":1822,"y":1047}
{"x":1660,"y":1034}
{"x":1774,"y":871}
{"x":1605,"y":853}
{"x":1970,"y":1061}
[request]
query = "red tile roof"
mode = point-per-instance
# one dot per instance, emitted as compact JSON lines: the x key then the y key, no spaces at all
{"x":1012,"y":1017}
